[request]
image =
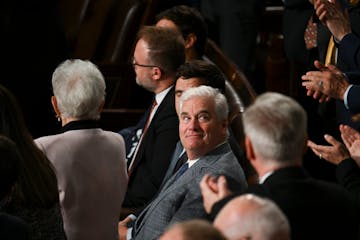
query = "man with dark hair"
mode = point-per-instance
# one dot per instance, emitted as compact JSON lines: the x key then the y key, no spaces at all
{"x":190,"y":23}
{"x":157,"y":55}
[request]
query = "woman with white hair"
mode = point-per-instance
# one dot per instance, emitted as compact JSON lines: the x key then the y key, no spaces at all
{"x":90,"y":162}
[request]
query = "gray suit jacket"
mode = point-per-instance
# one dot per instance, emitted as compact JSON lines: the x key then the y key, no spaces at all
{"x":92,"y":179}
{"x":181,"y":199}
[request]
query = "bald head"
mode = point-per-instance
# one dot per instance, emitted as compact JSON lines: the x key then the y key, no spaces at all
{"x":249,"y":216}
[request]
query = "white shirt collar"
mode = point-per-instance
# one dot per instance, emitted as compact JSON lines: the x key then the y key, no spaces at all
{"x":264,"y":177}
{"x":161,"y":95}
{"x":192,"y":162}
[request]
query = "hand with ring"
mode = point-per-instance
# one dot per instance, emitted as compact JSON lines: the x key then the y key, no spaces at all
{"x":320,"y":84}
{"x":328,"y":82}
{"x":335,"y":153}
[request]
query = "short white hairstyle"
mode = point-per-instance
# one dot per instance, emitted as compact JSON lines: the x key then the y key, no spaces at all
{"x":221,"y":106}
{"x":277,"y":127}
{"x":253,"y":217}
{"x":79,"y":88}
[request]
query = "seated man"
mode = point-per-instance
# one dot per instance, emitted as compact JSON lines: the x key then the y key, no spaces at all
{"x":157,"y":55}
{"x":195,"y":73}
{"x":203,"y":133}
{"x":275,"y":136}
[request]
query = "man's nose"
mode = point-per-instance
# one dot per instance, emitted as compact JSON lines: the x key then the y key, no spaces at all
{"x":194,"y":123}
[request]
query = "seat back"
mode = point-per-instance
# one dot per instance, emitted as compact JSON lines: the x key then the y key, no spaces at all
{"x":104,"y":30}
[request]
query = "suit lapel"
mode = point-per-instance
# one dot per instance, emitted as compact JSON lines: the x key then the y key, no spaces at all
{"x":172,"y":184}
{"x":174,"y":159}
{"x":168,"y":100}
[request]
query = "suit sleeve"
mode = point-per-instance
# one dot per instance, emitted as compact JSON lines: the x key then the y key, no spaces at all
{"x":353,"y":99}
{"x":353,"y":77}
{"x":349,"y":51}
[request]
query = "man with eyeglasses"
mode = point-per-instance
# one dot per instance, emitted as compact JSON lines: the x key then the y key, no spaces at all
{"x":157,"y":55}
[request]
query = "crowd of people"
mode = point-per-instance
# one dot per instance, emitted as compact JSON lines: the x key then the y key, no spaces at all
{"x":179,"y":173}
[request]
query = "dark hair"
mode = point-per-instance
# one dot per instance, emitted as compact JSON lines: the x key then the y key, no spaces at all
{"x":37,"y":183}
{"x":207,"y":71}
{"x":166,"y":48}
{"x":188,"y":20}
{"x":9,"y":164}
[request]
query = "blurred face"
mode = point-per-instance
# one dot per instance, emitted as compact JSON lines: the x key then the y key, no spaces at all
{"x":142,"y":66}
{"x":167,"y":23}
{"x":182,"y":85}
{"x":200,"y":130}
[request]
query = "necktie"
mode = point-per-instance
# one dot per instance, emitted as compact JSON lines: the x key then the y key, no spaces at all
{"x":310,"y":35}
{"x":182,"y":159}
{"x":331,"y":53}
{"x":148,"y":120}
{"x":182,"y":170}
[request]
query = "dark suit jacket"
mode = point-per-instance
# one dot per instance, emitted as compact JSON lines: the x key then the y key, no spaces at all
{"x":348,"y":175}
{"x":295,"y":19}
{"x":315,"y":209}
{"x":13,"y":228}
{"x":180,"y":199}
{"x":349,"y":51}
{"x":154,"y":154}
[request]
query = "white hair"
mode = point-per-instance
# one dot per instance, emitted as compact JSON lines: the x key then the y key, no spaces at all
{"x":79,"y":88}
{"x":221,"y":106}
{"x":277,"y":127}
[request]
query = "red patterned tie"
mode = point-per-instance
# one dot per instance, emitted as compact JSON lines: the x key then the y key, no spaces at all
{"x":310,"y":35}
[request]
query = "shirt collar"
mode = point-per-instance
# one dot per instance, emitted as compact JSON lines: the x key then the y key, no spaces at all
{"x":264,"y":177}
{"x":161,"y":95}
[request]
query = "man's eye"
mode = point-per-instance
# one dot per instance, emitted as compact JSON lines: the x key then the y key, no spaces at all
{"x":185,"y":118}
{"x":203,"y":117}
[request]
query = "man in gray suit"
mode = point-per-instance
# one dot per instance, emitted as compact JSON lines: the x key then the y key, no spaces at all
{"x":203,"y":133}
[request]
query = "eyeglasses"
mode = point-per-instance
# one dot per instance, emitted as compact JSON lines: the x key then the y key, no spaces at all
{"x":134,"y":63}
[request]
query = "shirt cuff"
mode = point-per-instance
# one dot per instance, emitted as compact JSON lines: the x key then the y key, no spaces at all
{"x":129,"y":233}
{"x":346,"y":95}
{"x":132,"y":217}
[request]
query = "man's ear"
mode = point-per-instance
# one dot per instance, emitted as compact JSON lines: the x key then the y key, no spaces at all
{"x":101,"y":105}
{"x":55,"y":106}
{"x":249,"y":149}
{"x":156,"y":73}
{"x":190,"y":40}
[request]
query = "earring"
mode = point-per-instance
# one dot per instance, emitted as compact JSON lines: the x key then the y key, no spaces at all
{"x":58,"y":118}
